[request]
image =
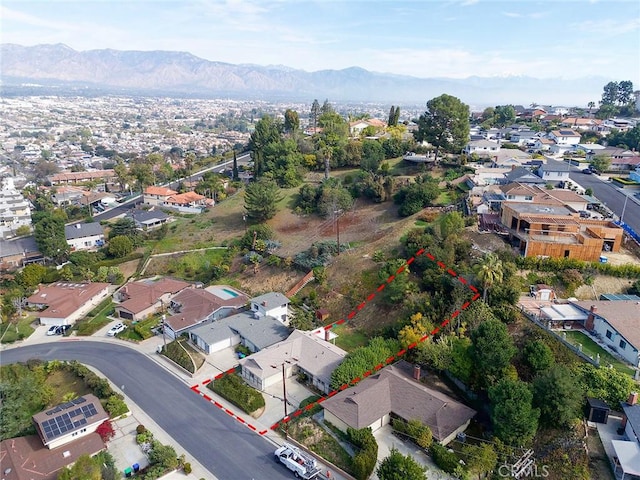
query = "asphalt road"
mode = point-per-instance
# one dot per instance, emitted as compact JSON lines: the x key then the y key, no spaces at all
{"x":224,"y":447}
{"x":611,"y":197}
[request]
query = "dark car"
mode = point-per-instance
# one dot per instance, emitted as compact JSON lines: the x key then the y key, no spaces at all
{"x":587,"y":171}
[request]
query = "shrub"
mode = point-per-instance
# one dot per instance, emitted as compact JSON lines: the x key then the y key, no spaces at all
{"x":116,"y":406}
{"x":443,"y":458}
{"x":419,"y":433}
{"x":186,"y":468}
{"x":364,"y":461}
{"x":106,"y":431}
{"x":232,"y":388}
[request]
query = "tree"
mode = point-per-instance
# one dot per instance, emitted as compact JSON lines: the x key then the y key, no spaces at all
{"x":591,"y":105}
{"x":480,"y":459}
{"x":625,"y":92}
{"x":489,"y":271}
{"x":84,"y":468}
{"x":164,"y":455}
{"x":605,"y":383}
{"x":334,"y":200}
{"x":126,"y":226}
{"x":31,"y":275}
{"x":558,"y":395}
{"x":120,"y":246}
{"x":326,"y":107}
{"x":538,"y":356}
{"x":445,"y":124}
{"x":372,"y":155}
{"x":291,"y":121}
{"x":267,"y":131}
{"x":261,"y":199}
{"x":601,"y":163}
{"x":514,"y":419}
{"x":504,"y":115}
{"x":236,"y":176}
{"x":610,"y":94}
{"x":331,"y":141}
{"x":50,"y":237}
{"x":315,"y":113}
{"x":492,"y":351}
{"x":399,"y":467}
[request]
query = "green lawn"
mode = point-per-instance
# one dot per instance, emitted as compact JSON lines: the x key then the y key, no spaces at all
{"x":138,"y":331}
{"x":96,"y":319}
{"x":444,"y":198}
{"x":349,"y":338}
{"x":591,"y":348}
{"x":16,"y":330}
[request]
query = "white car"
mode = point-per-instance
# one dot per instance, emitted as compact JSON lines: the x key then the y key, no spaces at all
{"x":117,"y":328}
{"x":53,"y":330}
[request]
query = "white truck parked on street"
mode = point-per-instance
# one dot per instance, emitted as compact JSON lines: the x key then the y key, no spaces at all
{"x":301,"y":464}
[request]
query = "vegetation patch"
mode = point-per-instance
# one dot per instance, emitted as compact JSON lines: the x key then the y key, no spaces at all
{"x":96,"y":319}
{"x":179,"y":352}
{"x":16,"y":329}
{"x":592,"y":349}
{"x":232,"y":388}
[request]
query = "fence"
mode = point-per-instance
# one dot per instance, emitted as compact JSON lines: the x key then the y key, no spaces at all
{"x":577,"y":350}
{"x":629,"y":231}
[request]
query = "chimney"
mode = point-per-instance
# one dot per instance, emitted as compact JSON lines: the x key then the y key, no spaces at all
{"x":416,"y":372}
{"x":513,"y":167}
{"x":327,"y":335}
{"x":633,"y":398}
{"x":589,"y":323}
{"x":264,"y":304}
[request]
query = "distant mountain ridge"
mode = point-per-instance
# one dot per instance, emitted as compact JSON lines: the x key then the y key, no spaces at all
{"x":184,"y":73}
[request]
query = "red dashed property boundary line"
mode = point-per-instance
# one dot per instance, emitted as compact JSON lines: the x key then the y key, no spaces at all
{"x":350,"y":315}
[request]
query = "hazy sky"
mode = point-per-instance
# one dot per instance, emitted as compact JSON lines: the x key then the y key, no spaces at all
{"x":424,"y":38}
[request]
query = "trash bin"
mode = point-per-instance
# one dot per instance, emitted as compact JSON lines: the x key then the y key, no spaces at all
{"x":603,"y":259}
{"x":136,"y":467}
{"x":128,"y":472}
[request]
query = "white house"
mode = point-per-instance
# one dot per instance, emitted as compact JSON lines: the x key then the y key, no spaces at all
{"x":481,"y":147}
{"x":616,"y":324}
{"x":272,"y":304}
{"x":15,"y":210}
{"x":69,"y":421}
{"x":554,"y":171}
{"x":84,"y":236}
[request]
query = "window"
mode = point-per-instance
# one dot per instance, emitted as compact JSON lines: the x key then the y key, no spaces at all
{"x":609,"y":334}
{"x":528,"y":198}
{"x":511,"y":197}
{"x":623,"y":344}
{"x":567,"y":253}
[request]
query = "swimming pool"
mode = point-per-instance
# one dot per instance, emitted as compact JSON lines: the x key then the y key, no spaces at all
{"x":223,"y":293}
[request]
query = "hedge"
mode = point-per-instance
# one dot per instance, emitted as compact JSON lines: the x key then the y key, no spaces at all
{"x":443,"y":458}
{"x":364,"y":461}
{"x":560,"y":264}
{"x":232,"y":388}
{"x":414,"y":429}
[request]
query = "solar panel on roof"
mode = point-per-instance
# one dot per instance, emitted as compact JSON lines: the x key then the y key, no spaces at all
{"x":78,"y":401}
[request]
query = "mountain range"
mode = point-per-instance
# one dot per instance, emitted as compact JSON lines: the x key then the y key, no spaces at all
{"x":183,"y":74}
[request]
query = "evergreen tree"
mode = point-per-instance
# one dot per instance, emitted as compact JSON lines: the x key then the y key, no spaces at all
{"x":315,"y":113}
{"x":236,"y":176}
{"x":261,"y":199}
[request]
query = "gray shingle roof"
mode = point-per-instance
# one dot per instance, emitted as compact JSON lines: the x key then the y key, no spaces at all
{"x":633,"y":416}
{"x":18,"y":246}
{"x":393,"y":390}
{"x":81,"y":230}
{"x":271,"y":299}
{"x":262,"y":332}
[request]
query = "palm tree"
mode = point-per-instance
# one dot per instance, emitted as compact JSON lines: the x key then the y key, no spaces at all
{"x":591,"y":105}
{"x":490,"y":271}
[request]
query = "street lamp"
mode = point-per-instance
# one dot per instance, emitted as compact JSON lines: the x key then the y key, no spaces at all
{"x":164,"y":338}
{"x":624,"y":207}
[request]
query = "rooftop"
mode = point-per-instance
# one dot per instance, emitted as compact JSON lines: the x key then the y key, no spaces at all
{"x":81,"y":230}
{"x":64,"y":298}
{"x":623,"y":315}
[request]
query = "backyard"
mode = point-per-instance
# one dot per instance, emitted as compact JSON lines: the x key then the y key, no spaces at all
{"x":17,"y":329}
{"x":591,"y":348}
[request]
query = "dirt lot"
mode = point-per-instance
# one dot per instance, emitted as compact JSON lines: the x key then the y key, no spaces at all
{"x":602,"y":284}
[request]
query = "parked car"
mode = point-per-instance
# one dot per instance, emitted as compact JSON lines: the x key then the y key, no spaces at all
{"x":587,"y":171}
{"x":116,"y":329}
{"x":584,"y":214}
{"x":53,"y":330}
{"x":62,"y":329}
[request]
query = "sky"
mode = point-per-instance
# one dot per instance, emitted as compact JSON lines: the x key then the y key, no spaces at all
{"x":422,"y":38}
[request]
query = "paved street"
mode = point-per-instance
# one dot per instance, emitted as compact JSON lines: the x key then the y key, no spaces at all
{"x":221,"y":444}
{"x":610,"y":196}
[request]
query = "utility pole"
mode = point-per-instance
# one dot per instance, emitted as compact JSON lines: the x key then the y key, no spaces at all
{"x":164,"y":338}
{"x":284,"y":390}
{"x":337,"y":214}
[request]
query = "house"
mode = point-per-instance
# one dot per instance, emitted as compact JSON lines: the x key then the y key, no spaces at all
{"x":523,"y":137}
{"x":157,"y":196}
{"x":148,"y":219}
{"x":392,"y":392}
{"x":554,"y":172}
{"x":188,"y":202}
{"x":582,"y":124}
{"x":524,"y":193}
{"x":63,"y":303}
{"x":481,"y":147}
{"x":69,"y":421}
{"x":272,"y":304}
{"x":543,"y":144}
{"x":104,"y":176}
{"x":302,"y":353}
{"x":627,"y":451}
{"x":244,"y":328}
{"x":521,"y":175}
{"x":193,"y":306}
{"x":616,"y":324}
{"x":25,"y":458}
{"x":67,"y":195}
{"x":84,"y":236}
{"x":18,"y":252}
{"x":625,"y":164}
{"x":613,"y":153}
{"x":15,"y":210}
{"x":138,"y":300}
{"x":547,"y":230}
{"x":356,"y":128}
{"x":565,"y":137}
